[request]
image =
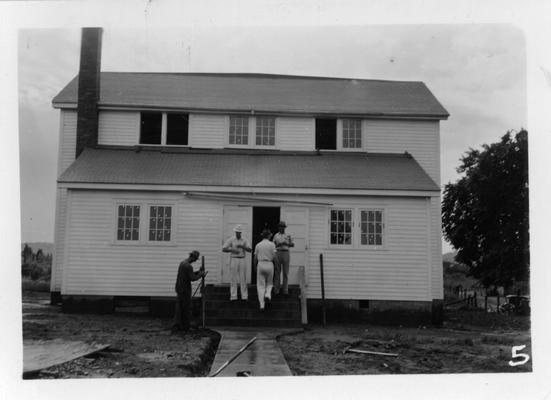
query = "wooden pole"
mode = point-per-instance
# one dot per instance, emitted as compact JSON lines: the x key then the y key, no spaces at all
{"x":486,"y":303}
{"x":203,"y":292}
{"x":475,"y":301}
{"x":324,"y":321}
{"x":241,"y":350}
{"x":497,"y":309}
{"x":303,"y":303}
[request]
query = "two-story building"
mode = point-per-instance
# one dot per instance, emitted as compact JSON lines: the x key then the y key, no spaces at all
{"x":153,"y":165}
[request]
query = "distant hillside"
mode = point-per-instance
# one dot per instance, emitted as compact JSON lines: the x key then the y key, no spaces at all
{"x":47,"y":248}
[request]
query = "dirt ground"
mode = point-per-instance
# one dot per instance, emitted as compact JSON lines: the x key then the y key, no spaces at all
{"x":468,"y":342}
{"x":140,"y":346}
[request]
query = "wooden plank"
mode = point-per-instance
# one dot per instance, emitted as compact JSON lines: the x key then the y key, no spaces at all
{"x":41,"y":354}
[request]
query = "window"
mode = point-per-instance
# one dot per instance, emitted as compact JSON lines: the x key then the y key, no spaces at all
{"x":326,"y":134}
{"x":164,"y":128}
{"x":128,"y":223}
{"x":357,"y":228}
{"x":371,"y":227}
{"x":352,"y":134}
{"x":160,"y":222}
{"x":177,"y":129}
{"x":341,"y":227}
{"x":265,"y":131}
{"x":239,"y":130}
{"x":151,"y":127}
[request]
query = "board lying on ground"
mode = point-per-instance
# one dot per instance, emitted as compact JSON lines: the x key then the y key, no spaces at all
{"x":41,"y":354}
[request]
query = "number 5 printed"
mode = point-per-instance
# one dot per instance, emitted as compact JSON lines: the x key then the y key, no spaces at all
{"x":515,"y":354}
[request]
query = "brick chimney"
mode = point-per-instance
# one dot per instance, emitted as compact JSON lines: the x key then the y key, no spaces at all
{"x":88,"y":89}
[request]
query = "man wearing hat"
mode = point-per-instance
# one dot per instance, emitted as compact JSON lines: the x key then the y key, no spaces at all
{"x":282,"y":243}
{"x":186,"y":275}
{"x":237,"y":246}
{"x":264,"y":254}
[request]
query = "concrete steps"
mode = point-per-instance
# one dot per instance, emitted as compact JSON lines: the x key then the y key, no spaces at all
{"x":220,"y":311}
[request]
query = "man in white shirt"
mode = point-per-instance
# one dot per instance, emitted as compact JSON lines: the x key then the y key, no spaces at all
{"x":264,"y":254}
{"x":237,"y":246}
{"x":282,"y":243}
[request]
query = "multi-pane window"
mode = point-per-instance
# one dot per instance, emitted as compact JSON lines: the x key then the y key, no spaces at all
{"x":352,"y":134}
{"x":128,"y":224}
{"x":371,"y":227}
{"x":265,"y":131}
{"x":341,"y":227}
{"x":160,"y":223}
{"x":239,"y":130}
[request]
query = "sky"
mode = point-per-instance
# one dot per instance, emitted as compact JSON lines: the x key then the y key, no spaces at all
{"x":477,"y":72}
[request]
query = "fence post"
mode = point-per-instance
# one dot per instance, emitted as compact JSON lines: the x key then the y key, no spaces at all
{"x":303,"y":302}
{"x":486,"y":303}
{"x":203,"y":292}
{"x":475,"y":301}
{"x":497,"y":309}
{"x":322,"y":292}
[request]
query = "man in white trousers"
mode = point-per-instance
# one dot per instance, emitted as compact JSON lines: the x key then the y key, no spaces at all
{"x":237,"y":246}
{"x":264,"y":254}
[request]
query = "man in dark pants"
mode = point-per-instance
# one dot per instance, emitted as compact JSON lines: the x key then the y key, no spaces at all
{"x":182,"y":315}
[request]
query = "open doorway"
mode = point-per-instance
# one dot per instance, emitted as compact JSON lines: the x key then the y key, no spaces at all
{"x":263,"y":217}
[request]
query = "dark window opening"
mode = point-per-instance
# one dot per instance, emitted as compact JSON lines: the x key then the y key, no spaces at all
{"x":326,"y":134}
{"x":151,"y":127}
{"x":177,"y":129}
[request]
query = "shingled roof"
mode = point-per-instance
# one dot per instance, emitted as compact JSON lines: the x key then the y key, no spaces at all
{"x":261,"y":93}
{"x":248,"y":169}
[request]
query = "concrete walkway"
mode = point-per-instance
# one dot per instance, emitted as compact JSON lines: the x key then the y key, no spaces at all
{"x":262,"y":358}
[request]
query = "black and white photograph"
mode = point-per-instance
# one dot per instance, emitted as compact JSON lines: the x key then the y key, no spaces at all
{"x":222,"y":199}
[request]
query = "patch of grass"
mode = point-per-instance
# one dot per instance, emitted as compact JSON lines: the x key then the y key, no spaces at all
{"x":35,"y":286}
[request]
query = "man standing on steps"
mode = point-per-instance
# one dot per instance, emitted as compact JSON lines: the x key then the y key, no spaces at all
{"x":264,"y":254}
{"x":237,"y":246}
{"x":186,"y":275}
{"x":282,"y":243}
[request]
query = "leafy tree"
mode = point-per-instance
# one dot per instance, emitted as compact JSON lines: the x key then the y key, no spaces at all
{"x":27,"y":254}
{"x":485,"y":213}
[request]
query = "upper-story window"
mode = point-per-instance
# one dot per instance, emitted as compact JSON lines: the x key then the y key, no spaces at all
{"x":151,"y":126}
{"x":265,"y":131}
{"x":326,"y":134}
{"x":164,"y":128}
{"x":351,"y":134}
{"x":239,"y":130}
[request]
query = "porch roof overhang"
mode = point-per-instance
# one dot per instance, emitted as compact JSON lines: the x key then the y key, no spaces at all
{"x":232,"y":171}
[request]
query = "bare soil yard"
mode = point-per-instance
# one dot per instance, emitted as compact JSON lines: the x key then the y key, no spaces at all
{"x":470,"y":341}
{"x":142,"y":346}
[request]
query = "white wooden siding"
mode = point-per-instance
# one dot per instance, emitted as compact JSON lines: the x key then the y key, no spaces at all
{"x":59,"y":239}
{"x":95,"y":265}
{"x":120,"y":128}
{"x":400,"y":271}
{"x":67,"y":139}
{"x":419,"y":138}
{"x":208,"y":131}
{"x":295,"y":133}
{"x":436,"y":248}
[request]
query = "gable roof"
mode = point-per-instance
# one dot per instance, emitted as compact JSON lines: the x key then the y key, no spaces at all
{"x":247,"y":169}
{"x":261,"y":93}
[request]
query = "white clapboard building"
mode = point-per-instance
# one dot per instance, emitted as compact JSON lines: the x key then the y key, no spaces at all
{"x":154,"y":165}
